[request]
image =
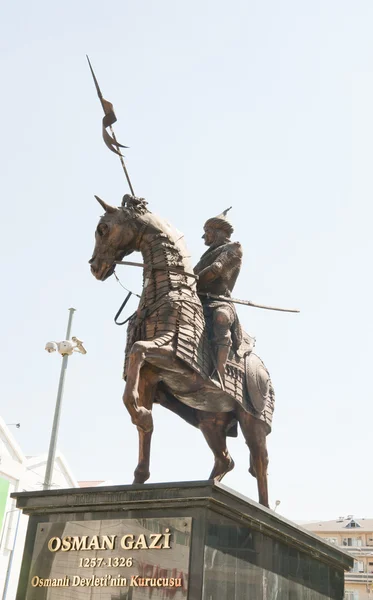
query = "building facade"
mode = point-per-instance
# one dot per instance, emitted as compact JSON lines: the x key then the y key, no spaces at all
{"x":356,"y":537}
{"x":20,"y":473}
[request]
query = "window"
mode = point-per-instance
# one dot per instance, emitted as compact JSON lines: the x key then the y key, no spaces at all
{"x":352,"y":523}
{"x":332,"y":541}
{"x":358,"y":566}
{"x":355,"y":541}
{"x":349,"y":595}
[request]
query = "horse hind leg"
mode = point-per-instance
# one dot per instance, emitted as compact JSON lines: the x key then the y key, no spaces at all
{"x":213,"y":427}
{"x":254,"y":432}
{"x":147,"y":387}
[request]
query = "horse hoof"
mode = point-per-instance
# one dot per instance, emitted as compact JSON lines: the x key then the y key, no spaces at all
{"x":231,"y":465}
{"x":141,"y":476}
{"x":252,"y":472}
{"x":143,"y":419}
{"x":218,"y":473}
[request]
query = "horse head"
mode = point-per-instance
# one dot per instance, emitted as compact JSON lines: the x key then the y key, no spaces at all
{"x":116,"y":234}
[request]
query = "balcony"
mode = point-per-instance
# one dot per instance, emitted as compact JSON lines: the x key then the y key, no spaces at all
{"x":351,"y":576}
{"x":358,"y":551}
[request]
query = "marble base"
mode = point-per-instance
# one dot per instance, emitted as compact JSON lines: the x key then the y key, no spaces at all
{"x":185,"y":541}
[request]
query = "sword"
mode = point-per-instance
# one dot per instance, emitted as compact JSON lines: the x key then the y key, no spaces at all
{"x":247,"y":303}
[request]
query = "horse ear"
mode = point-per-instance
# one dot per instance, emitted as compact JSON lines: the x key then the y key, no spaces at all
{"x":107,"y":208}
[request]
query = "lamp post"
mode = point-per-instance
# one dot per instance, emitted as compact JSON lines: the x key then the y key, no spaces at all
{"x":65,"y":348}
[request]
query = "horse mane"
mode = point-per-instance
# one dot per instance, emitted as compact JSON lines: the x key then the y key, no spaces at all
{"x":172,"y":241}
{"x":133,"y":206}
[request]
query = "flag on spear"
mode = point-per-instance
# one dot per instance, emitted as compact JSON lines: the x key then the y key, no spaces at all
{"x":107,"y":123}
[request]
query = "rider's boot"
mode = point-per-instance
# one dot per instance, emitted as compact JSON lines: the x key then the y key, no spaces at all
{"x":221,"y":361}
{"x":222,"y":341}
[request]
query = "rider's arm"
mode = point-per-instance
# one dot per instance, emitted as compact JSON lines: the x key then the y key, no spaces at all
{"x":227,"y":260}
{"x":210,"y":273}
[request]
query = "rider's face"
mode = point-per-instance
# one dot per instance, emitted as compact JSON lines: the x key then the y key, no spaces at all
{"x":209,"y":236}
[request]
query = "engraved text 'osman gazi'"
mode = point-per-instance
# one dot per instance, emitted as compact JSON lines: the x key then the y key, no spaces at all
{"x":153,"y":541}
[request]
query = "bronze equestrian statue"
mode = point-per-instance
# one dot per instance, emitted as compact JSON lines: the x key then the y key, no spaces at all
{"x":189,"y":356}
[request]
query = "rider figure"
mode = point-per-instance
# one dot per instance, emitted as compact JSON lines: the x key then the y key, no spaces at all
{"x":217,"y":272}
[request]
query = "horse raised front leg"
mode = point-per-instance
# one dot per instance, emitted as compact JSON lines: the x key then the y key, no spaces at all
{"x":213,"y":427}
{"x":147,"y":387}
{"x":140,"y":416}
{"x":254,"y":432}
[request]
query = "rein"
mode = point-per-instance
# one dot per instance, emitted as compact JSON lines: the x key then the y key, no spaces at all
{"x":179,"y":270}
{"x":146,"y":267}
{"x":120,"y":311}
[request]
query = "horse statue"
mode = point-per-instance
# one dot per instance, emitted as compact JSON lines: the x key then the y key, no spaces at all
{"x":168,"y":356}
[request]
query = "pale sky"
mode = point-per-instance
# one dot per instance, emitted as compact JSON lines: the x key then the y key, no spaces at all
{"x":263,"y":105}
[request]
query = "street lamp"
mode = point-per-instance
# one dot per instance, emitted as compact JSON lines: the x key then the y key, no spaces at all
{"x":65,"y":348}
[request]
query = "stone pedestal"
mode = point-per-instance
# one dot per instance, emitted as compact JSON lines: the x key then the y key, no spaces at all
{"x":192,"y":541}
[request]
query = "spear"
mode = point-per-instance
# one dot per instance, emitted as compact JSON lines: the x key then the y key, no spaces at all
{"x":206,"y":294}
{"x":247,"y":303}
{"x":107,"y":122}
